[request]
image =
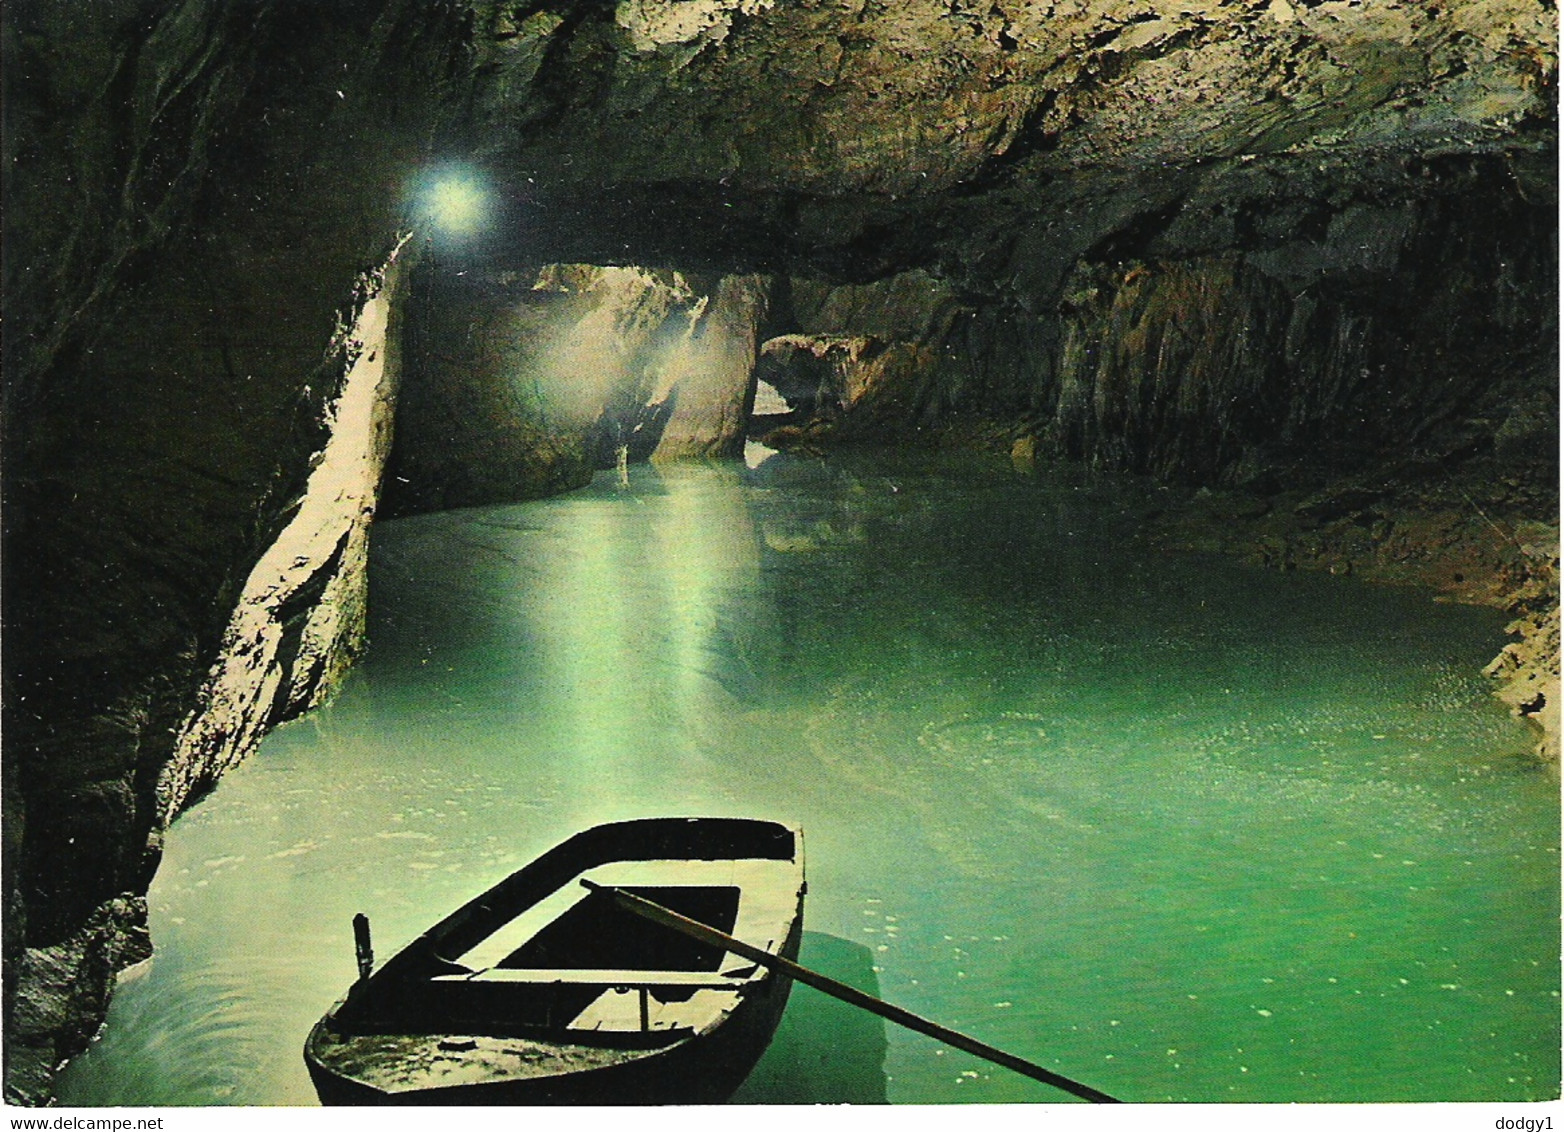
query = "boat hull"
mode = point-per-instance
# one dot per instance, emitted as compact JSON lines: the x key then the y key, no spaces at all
{"x":701,"y":1069}
{"x":527,"y":1066}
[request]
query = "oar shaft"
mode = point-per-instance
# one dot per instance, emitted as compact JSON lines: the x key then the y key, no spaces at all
{"x":709,"y":935}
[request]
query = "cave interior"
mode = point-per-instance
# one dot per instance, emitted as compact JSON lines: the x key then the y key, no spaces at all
{"x":1296,"y":260}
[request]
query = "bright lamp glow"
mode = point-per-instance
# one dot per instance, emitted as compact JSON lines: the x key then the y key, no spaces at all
{"x":455,"y":202}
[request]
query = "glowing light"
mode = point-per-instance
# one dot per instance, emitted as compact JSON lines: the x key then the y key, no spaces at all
{"x":458,"y":205}
{"x":456,"y":202}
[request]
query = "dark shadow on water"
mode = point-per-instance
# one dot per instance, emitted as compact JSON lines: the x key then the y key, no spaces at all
{"x":824,"y":1052}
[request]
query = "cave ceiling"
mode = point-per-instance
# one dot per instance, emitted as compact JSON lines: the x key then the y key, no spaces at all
{"x":981,"y":140}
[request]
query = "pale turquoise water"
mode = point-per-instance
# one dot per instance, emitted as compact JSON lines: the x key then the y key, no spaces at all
{"x":1175,"y":827}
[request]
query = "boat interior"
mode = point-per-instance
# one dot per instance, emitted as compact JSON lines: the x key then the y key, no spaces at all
{"x":539,"y":954}
{"x":576,"y":961}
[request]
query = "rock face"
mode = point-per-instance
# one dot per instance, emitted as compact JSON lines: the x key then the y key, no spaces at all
{"x":1300,"y":253}
{"x":299,"y":621}
{"x":297,"y":626}
{"x":1393,"y":325}
{"x":521,"y":383}
{"x":710,"y":378}
{"x":1528,"y":671}
{"x":194,"y":229}
{"x":475,"y":424}
{"x":864,"y":359}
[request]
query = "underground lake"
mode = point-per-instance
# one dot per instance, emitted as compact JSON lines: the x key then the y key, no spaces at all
{"x":1179,"y":828}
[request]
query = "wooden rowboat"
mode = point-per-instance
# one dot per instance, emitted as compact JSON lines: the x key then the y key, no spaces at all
{"x":541,"y":991}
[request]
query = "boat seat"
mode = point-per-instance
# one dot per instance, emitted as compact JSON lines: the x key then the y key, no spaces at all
{"x":584,"y":976}
{"x":605,"y":1000}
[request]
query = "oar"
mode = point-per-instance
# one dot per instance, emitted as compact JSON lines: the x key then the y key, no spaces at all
{"x":709,"y":935}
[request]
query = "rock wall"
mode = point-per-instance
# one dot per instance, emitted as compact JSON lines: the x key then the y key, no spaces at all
{"x":1409,"y":313}
{"x":523,"y":381}
{"x":1414,"y":320}
{"x":192,"y":191}
{"x":1528,"y":669}
{"x":710,"y":379}
{"x":864,"y":359}
{"x":298,"y":624}
{"x":476,"y":425}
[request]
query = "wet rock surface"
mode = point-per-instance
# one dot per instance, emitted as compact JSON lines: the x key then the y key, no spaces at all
{"x":1465,"y":536}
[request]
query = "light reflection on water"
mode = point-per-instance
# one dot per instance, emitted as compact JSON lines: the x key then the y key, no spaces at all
{"x":1176,"y":828}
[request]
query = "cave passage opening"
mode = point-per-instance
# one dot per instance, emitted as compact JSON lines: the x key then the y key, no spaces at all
{"x":522,"y":380}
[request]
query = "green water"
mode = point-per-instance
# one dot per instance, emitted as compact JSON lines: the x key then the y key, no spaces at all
{"x":1174,"y":827}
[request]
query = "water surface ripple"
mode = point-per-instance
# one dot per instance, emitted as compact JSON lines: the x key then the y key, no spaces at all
{"x":1175,"y":827}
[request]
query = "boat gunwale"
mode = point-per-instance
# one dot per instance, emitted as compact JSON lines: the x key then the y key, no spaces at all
{"x":426,"y":958}
{"x":758,"y":997}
